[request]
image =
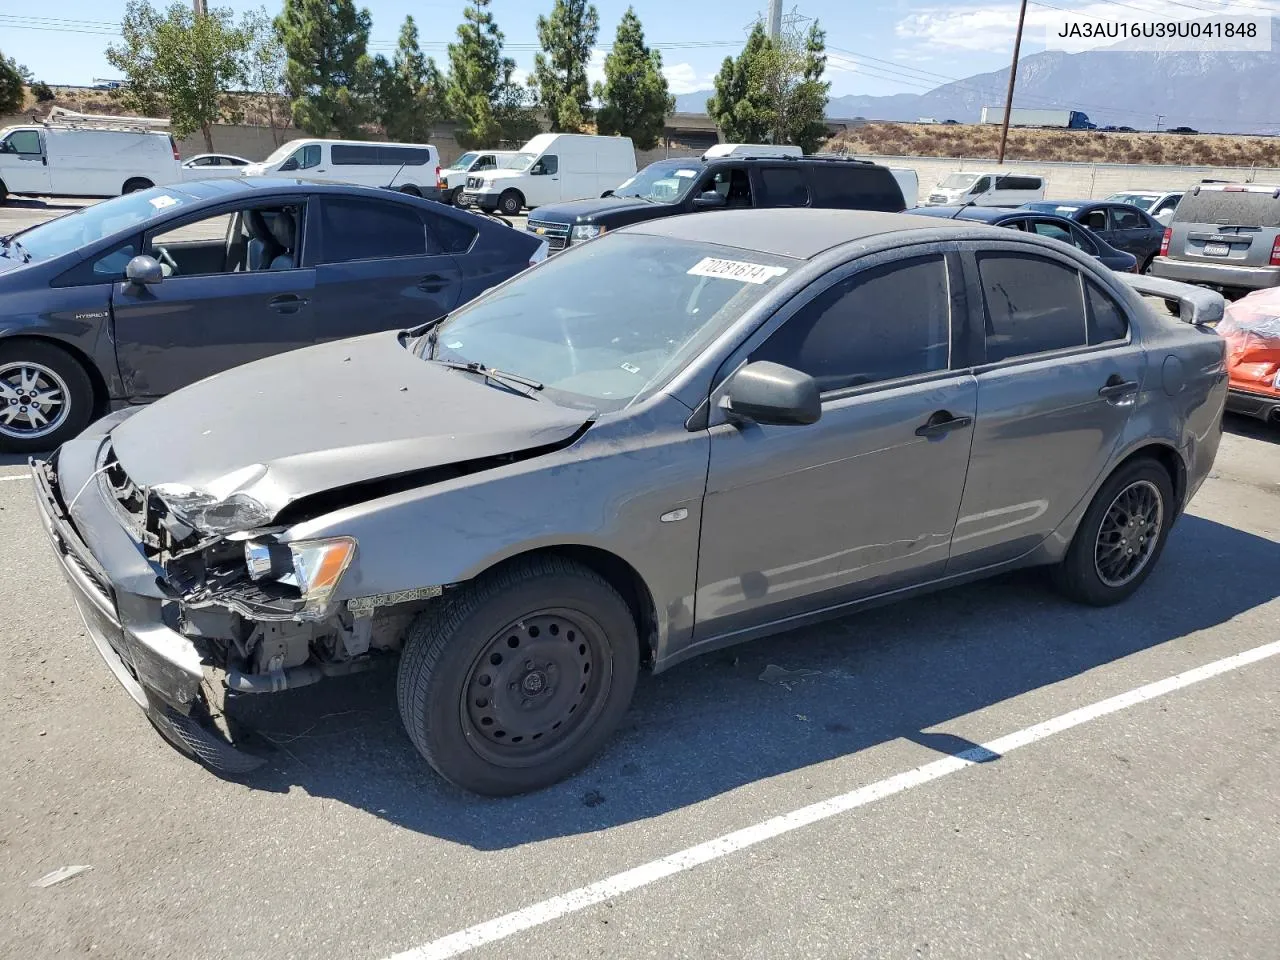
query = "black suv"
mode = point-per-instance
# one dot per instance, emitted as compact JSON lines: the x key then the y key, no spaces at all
{"x":712,"y":182}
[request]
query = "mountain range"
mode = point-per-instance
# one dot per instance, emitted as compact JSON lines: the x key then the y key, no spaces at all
{"x":1210,"y":92}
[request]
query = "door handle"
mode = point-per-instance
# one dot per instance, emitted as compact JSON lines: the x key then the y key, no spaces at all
{"x":433,"y":283}
{"x":942,"y":423}
{"x":1117,"y":387}
{"x":287,"y":303}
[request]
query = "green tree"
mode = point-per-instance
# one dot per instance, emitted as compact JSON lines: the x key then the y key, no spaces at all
{"x":182,"y":61}
{"x":265,"y":64}
{"x":410,"y":97}
{"x":328,"y":74}
{"x":634,"y":100}
{"x":12,"y":76}
{"x":560,"y":71}
{"x":738,"y":106}
{"x":42,"y":92}
{"x":788,"y":73}
{"x":481,"y":95}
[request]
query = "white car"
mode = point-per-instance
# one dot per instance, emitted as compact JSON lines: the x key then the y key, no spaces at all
{"x":1159,"y":204}
{"x":454,"y":177}
{"x":206,"y":166}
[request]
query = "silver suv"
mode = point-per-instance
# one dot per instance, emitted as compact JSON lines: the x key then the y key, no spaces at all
{"x":1226,"y":236}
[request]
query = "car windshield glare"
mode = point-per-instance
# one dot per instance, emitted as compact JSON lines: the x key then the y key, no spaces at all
{"x":607,"y":323}
{"x":91,"y":224}
{"x":464,"y":162}
{"x":957,"y":180}
{"x":520,"y":161}
{"x":1141,"y":200}
{"x":281,"y":152}
{"x":665,"y":182}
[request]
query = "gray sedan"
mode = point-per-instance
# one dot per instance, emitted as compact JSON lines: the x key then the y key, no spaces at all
{"x":680,"y":436}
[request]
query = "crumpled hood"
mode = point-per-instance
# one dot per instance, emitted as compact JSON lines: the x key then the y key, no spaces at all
{"x":327,"y":416}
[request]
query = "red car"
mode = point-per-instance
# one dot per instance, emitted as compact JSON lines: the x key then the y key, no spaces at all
{"x":1251,"y":327}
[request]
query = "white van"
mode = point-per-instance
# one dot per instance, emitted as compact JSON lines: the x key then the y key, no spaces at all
{"x":550,"y":168}
{"x":454,"y":177}
{"x":407,"y":167}
{"x":908,"y":183}
{"x":77,"y":155}
{"x":987,"y":190}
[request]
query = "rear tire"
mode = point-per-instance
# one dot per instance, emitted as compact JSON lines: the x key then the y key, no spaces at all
{"x":1146,"y":265}
{"x":510,"y":203}
{"x":1120,"y":537}
{"x":4,"y":193}
{"x":518,"y":679}
{"x":62,"y":391}
{"x":411,"y":190}
{"x":136,"y":184}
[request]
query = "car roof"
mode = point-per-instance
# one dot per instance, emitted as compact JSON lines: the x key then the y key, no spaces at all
{"x":797,"y":232}
{"x":1045,"y":204}
{"x":958,"y":212}
{"x":228,"y":187}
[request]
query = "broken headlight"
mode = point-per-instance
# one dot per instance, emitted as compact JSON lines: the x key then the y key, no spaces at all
{"x":211,"y":514}
{"x":313,"y":566}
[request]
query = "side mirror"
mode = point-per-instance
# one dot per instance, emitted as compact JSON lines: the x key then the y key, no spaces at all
{"x":607,"y":193}
{"x":709,"y":200}
{"x":290,"y":164}
{"x":769,"y":393}
{"x":537,"y":170}
{"x":142,"y":271}
{"x":6,"y":147}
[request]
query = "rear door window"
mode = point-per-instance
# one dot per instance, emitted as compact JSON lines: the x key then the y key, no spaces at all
{"x":362,"y":230}
{"x":454,"y":236}
{"x":1032,"y":304}
{"x":1125,"y":219}
{"x":853,"y":186}
{"x":881,"y":324}
{"x":783,"y":187}
{"x":345,"y":155}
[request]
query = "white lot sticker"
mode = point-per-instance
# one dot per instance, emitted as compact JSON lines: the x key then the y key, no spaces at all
{"x":630,"y":368}
{"x":162,"y":201}
{"x":735,"y":270}
{"x":686,"y":173}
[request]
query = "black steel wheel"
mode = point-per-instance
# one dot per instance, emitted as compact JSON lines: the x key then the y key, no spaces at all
{"x":516,"y":680}
{"x":511,"y":202}
{"x":1120,"y":536}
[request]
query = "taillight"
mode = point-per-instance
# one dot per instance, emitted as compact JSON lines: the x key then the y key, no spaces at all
{"x":1164,"y":241}
{"x":437,"y":171}
{"x":174,"y":145}
{"x":1275,"y":253}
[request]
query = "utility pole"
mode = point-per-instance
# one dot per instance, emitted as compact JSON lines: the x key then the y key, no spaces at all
{"x":775,"y":19}
{"x":1013,"y":75}
{"x":1159,"y":120}
{"x":200,"y":7}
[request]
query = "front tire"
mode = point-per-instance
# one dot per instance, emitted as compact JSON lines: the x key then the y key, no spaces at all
{"x":511,"y":202}
{"x":46,"y":397}
{"x":518,"y":679}
{"x":1120,"y":537}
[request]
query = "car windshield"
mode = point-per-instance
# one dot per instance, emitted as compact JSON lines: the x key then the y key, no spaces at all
{"x":520,"y":161}
{"x":665,"y":182}
{"x":1143,"y":201}
{"x":957,"y":180}
{"x":464,"y":162}
{"x":91,"y":224}
{"x":281,"y":152}
{"x":612,"y":320}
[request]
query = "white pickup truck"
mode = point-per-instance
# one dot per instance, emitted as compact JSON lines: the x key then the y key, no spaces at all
{"x":454,"y":177}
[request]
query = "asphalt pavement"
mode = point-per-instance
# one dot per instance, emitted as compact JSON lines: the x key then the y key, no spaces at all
{"x":988,"y":772}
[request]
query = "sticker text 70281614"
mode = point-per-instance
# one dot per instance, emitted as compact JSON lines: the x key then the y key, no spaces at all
{"x":735,"y":270}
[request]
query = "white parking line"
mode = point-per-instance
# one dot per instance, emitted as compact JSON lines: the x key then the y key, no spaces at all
{"x":575,"y":900}
{"x":20,"y":476}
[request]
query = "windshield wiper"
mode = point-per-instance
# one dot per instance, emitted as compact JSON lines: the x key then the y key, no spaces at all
{"x":508,"y":379}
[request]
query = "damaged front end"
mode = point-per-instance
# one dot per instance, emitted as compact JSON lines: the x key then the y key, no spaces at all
{"x":259,"y":611}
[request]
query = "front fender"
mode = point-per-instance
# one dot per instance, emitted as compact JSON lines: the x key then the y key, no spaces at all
{"x":609,"y":491}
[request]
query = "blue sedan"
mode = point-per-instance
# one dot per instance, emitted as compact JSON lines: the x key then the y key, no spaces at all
{"x":130,"y":299}
{"x":1043,"y":224}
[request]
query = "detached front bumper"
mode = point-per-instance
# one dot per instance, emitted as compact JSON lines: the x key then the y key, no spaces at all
{"x":125,"y":611}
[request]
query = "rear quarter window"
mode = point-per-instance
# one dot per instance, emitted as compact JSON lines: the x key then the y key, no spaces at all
{"x":1218,"y":206}
{"x":855,"y":187}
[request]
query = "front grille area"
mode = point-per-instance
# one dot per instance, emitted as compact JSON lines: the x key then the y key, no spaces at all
{"x":475,"y":183}
{"x":937,"y":198}
{"x":556,"y":234}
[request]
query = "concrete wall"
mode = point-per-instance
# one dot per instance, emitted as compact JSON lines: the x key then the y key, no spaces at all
{"x":1071,"y":181}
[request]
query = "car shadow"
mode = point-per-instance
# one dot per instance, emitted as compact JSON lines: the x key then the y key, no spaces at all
{"x":18,"y":459}
{"x":33,"y":203}
{"x":1251,"y":427}
{"x":712,"y":725}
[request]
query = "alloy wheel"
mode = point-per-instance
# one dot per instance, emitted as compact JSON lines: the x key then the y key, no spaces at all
{"x":1128,"y":534}
{"x":34,"y":400}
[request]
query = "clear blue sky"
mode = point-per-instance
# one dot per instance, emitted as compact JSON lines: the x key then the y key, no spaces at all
{"x":895,"y":46}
